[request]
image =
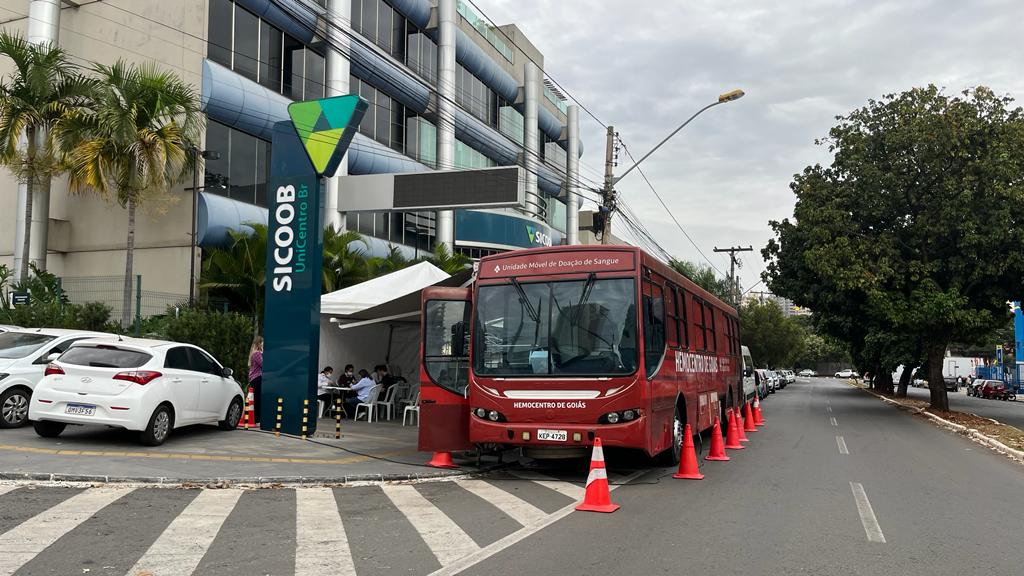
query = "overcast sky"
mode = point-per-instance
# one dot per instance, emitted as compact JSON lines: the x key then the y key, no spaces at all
{"x":645,"y":65}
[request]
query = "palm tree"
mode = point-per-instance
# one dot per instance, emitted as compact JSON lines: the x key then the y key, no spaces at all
{"x":343,"y":265}
{"x":44,"y":88}
{"x":448,"y":261}
{"x":132,"y":142}
{"x":238,"y":271}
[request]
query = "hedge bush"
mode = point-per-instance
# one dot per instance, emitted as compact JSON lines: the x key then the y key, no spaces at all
{"x":226,"y":335}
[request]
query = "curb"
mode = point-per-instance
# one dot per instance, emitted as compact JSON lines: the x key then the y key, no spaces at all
{"x":253,"y":481}
{"x":972,"y":433}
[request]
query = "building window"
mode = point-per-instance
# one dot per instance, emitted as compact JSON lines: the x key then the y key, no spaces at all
{"x":242,"y":170}
{"x":257,"y":50}
{"x":381,"y":24}
{"x":421,"y":55}
{"x":467,"y":158}
{"x":510,"y":122}
{"x":475,"y":97}
{"x":421,"y":140}
{"x":553,"y":154}
{"x":384,"y":120}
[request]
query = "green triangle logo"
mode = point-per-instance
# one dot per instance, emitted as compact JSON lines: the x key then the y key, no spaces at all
{"x":326,"y":128}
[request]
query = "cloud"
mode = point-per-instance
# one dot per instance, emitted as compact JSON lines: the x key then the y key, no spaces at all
{"x":646,"y":65}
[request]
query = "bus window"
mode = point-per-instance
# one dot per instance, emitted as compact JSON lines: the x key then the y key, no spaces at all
{"x":672,"y":335}
{"x":446,"y":344}
{"x":710,"y":338}
{"x":654,"y":327}
{"x":699,"y":332}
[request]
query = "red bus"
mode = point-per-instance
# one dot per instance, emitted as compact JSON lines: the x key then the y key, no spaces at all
{"x":549,"y":348}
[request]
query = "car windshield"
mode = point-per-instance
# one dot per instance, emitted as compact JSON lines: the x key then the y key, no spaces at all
{"x":104,"y":357}
{"x":578,"y":327}
{"x":21,"y":344}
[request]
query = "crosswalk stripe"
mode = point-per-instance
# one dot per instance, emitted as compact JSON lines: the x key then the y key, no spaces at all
{"x":520,"y":510}
{"x":23,"y":542}
{"x":7,"y":488}
{"x":571,"y":490}
{"x":182,"y":545}
{"x":446,"y":540}
{"x":321,"y":544}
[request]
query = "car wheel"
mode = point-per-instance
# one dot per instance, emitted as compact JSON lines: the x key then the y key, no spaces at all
{"x":48,"y":429}
{"x":159,"y":428}
{"x":14,"y":408}
{"x":671,"y":456}
{"x":234,"y":414}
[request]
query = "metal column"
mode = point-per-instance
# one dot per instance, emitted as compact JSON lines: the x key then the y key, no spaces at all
{"x":445,"y":219}
{"x":338,"y":14}
{"x":572,"y":176}
{"x":531,"y":137}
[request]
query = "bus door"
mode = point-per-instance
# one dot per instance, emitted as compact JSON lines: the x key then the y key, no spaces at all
{"x":444,"y":369}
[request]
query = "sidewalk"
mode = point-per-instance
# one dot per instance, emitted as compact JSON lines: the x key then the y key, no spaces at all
{"x":203,"y":454}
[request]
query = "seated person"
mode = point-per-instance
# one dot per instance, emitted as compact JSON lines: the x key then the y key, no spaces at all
{"x":348,"y":378}
{"x":384,"y":378}
{"x":360,"y":391}
{"x":322,"y":393}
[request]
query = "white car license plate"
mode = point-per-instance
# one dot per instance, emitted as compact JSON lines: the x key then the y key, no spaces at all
{"x":80,"y":409}
{"x":553,"y":435}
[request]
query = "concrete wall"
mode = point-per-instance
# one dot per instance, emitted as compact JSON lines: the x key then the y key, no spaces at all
{"x":88,"y":233}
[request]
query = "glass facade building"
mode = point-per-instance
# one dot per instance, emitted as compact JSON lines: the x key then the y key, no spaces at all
{"x":269,"y":50}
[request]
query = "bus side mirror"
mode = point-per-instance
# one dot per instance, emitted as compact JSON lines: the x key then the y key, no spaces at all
{"x":748,"y":372}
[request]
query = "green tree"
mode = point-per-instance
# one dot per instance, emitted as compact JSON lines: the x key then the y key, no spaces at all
{"x":131,"y":144}
{"x":910,"y":234}
{"x":448,"y":261}
{"x":705,"y":277}
{"x":237,"y":272}
{"x":40,"y":93}
{"x":345,"y":262}
{"x":774,"y":340}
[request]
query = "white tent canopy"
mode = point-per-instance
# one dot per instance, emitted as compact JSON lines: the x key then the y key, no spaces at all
{"x":349,"y":302}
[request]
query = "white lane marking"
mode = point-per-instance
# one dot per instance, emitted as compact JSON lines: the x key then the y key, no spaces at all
{"x":8,"y":488}
{"x":833,"y":421}
{"x":841,"y":442}
{"x":828,"y":409}
{"x":517,"y":536}
{"x":571,"y":490}
{"x":867,"y":515}
{"x":184,"y":542}
{"x":321,"y":544}
{"x":446,"y":540}
{"x":26,"y":540}
{"x":520,"y":510}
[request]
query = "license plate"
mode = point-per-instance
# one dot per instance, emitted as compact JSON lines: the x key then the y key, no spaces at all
{"x":553,"y":435}
{"x":80,"y":409}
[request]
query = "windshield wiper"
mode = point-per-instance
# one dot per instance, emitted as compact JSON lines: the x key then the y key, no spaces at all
{"x":584,"y":297}
{"x":534,"y":315}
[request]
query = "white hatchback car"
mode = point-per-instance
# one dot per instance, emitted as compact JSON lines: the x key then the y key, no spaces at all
{"x":24,"y":355}
{"x":8,"y":328}
{"x":151,"y":386}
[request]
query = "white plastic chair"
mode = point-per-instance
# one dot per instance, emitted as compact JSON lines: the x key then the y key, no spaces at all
{"x":370,"y":404}
{"x":389,"y":402}
{"x":413,"y":408}
{"x":412,"y":398}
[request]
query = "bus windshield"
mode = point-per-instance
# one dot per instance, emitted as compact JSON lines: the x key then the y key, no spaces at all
{"x":568,"y":328}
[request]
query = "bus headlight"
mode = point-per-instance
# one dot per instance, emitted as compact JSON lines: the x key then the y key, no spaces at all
{"x":485,"y":414}
{"x":628,"y":415}
{"x":622,"y":416}
{"x":480,"y":413}
{"x":612,"y":417}
{"x":493,"y":416}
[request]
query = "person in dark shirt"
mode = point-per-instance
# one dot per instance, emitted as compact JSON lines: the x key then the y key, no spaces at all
{"x":348,"y":378}
{"x":385,"y":379}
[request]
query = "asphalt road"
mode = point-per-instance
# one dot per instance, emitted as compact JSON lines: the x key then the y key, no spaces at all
{"x":1006,"y":412}
{"x":836,"y":483}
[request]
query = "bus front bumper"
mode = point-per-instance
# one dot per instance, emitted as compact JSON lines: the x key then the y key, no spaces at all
{"x":624,"y":435}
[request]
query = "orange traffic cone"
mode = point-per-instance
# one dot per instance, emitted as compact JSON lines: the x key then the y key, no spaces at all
{"x":748,"y":419}
{"x":598,"y":497}
{"x":442,"y":460}
{"x":248,"y":420}
{"x":758,"y":417}
{"x":740,"y":426}
{"x":717,"y":445}
{"x":688,"y":459}
{"x":732,"y":441}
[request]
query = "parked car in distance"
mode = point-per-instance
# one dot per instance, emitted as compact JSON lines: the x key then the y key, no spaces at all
{"x":847,"y":373}
{"x":807,"y":373}
{"x":790,"y":376}
{"x":971,"y":388}
{"x":773,"y":381}
{"x":994,"y":389}
{"x":761,"y":380}
{"x":24,"y":355}
{"x":150,"y":386}
{"x":749,"y":384}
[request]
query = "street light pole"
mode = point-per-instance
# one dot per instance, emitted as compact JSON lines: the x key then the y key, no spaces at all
{"x":608,"y":194}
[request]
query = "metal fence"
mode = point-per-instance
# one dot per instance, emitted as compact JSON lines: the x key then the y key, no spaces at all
{"x":1012,"y":375}
{"x":109,"y":290}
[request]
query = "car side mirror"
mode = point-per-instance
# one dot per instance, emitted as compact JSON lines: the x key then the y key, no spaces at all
{"x":227,"y":372}
{"x":748,"y":372}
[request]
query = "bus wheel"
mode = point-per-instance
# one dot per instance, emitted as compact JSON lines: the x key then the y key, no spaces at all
{"x":670,"y":457}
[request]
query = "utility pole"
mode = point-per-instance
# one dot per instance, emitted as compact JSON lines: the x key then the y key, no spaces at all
{"x":734,"y":285}
{"x":608,"y":194}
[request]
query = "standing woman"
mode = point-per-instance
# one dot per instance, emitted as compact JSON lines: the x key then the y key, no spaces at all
{"x":256,"y":374}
